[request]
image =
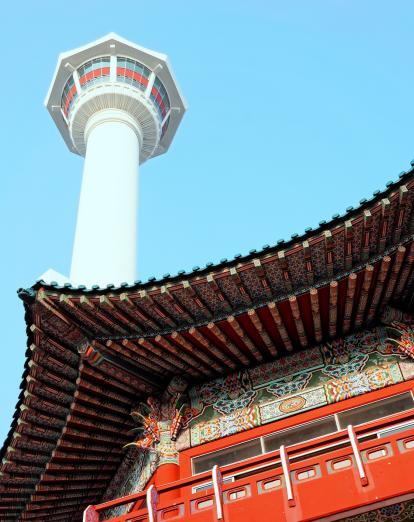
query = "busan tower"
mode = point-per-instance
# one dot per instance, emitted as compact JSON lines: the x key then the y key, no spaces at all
{"x":116,"y":104}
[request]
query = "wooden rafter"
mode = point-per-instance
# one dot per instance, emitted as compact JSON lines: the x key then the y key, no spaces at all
{"x":156,"y":358}
{"x":382,"y":275}
{"x":235,"y":276}
{"x":308,"y":262}
{"x":210,"y":347}
{"x":392,"y":280}
{"x":143,"y":319}
{"x":383,"y":232}
{"x":366,"y":235}
{"x":81,"y":316}
{"x":285,"y":270}
{"x":316,"y":316}
{"x":200,"y":354}
{"x":274,"y":312}
{"x":363,"y":298}
{"x":261,"y":330}
{"x":123,"y":319}
{"x":294,"y":306}
{"x":176,"y":363}
{"x":202,"y":305}
{"x":89,"y":306}
{"x":125,"y":351}
{"x":230,"y":345}
{"x":329,"y":245}
{"x":399,"y":220}
{"x":216,"y":289}
{"x":261,"y":274}
{"x":156,"y":308}
{"x":348,"y":244}
{"x":349,"y":302}
{"x":192,"y":365}
{"x":238,"y":330}
{"x":405,"y":272}
{"x":333,"y":307}
{"x":176,"y":306}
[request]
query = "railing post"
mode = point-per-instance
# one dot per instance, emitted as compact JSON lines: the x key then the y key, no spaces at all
{"x":90,"y":515}
{"x":357,"y":455}
{"x":286,"y":473}
{"x":152,"y":501}
{"x":218,"y":491}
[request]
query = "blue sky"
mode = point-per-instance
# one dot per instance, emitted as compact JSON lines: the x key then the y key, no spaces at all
{"x":297,"y":110}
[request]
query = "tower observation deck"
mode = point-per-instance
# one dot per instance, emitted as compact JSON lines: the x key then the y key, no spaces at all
{"x":116,"y":104}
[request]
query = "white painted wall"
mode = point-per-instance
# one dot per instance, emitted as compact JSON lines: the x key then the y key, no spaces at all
{"x":105,"y":246}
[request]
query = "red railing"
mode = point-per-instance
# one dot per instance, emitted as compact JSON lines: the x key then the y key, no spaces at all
{"x":333,"y":474}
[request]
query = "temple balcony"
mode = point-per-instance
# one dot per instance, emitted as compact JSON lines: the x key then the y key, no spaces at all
{"x":358,"y":469}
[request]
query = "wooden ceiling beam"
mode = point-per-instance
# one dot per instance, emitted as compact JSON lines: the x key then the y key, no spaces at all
{"x":349,"y":302}
{"x":261,"y":331}
{"x":55,"y":361}
{"x":316,"y":315}
{"x":238,"y":330}
{"x":91,"y":412}
{"x":47,"y":303}
{"x":53,"y":350}
{"x":239,"y":284}
{"x":329,"y":256}
{"x":132,"y":309}
{"x":384,"y":225}
{"x":405,"y":272}
{"x":238,"y":354}
{"x":333,"y":307}
{"x":308,"y":262}
{"x":66,"y":316}
{"x":209,"y":346}
{"x":137,"y":347}
{"x":349,"y":234}
{"x":178,"y":308}
{"x":366,"y":235}
{"x":261,"y":274}
{"x":294,"y":307}
{"x":157,"y":309}
{"x":207,"y":359}
{"x":126,"y":372}
{"x":94,"y":311}
{"x":382,"y":275}
{"x":188,"y":287}
{"x":133,"y":355}
{"x":192,"y":366}
{"x":79,"y":314}
{"x":274,"y":312}
{"x":363,"y":297}
{"x":110,"y":308}
{"x":284,"y":267}
{"x":92,"y":376}
{"x":399,"y":219}
{"x":392,"y":280}
{"x":216,"y":289}
{"x":171,"y":362}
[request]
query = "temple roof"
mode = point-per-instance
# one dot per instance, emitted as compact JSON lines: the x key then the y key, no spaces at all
{"x":65,"y":441}
{"x":283,"y":245}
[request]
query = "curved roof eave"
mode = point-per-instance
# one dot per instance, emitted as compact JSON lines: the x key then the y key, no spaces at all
{"x":238,"y":260}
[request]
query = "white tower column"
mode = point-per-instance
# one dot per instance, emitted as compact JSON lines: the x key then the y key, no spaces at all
{"x":105,"y":246}
{"x":118,"y":105}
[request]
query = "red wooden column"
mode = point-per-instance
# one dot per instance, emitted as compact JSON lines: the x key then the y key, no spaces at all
{"x":166,"y":473}
{"x":168,"y":469}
